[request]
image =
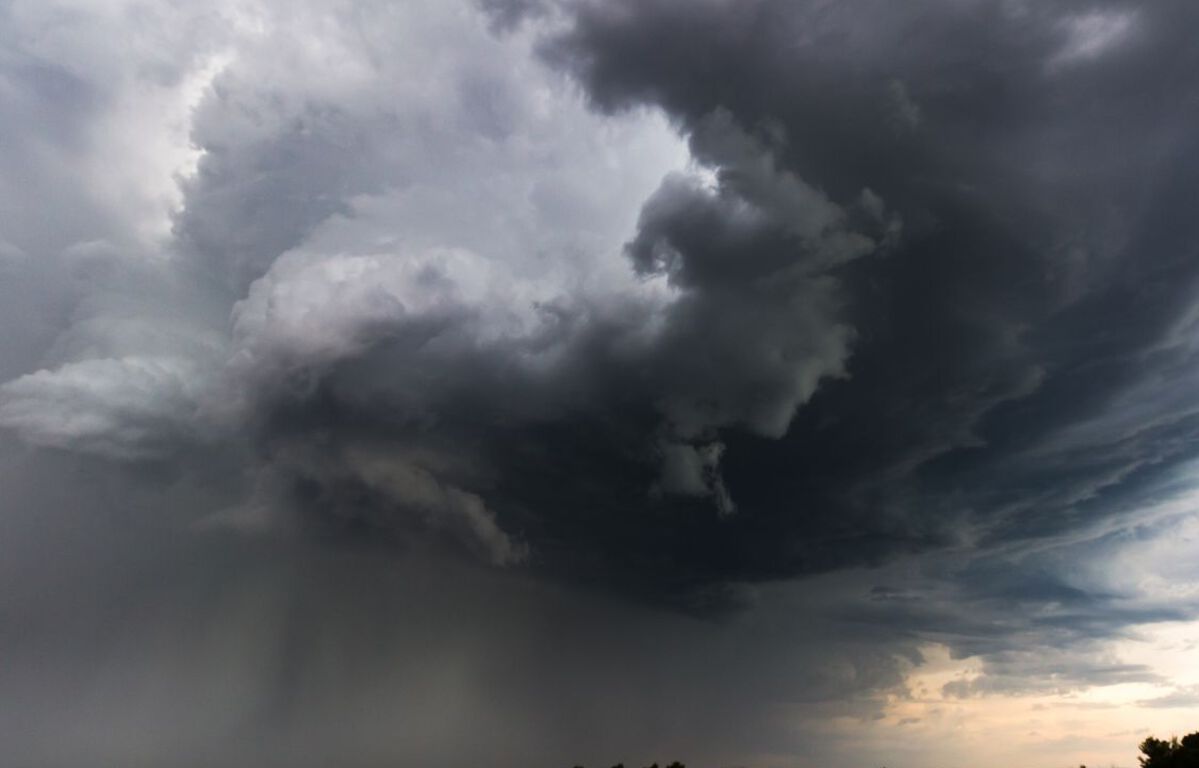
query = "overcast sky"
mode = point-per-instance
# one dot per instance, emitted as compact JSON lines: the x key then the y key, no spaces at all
{"x":517,"y":383}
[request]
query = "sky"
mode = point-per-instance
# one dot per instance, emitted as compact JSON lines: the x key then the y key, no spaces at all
{"x":750,"y":383}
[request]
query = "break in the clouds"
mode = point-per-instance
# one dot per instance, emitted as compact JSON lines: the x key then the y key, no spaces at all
{"x":836,"y":359}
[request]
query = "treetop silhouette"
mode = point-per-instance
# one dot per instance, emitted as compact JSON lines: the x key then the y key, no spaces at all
{"x":1158,"y":753}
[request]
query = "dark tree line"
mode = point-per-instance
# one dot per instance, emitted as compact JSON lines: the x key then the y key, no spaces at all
{"x":675,"y":764}
{"x":1158,"y":753}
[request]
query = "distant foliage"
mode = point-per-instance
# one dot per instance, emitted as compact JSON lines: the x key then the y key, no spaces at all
{"x":674,"y":765}
{"x":1158,"y":753}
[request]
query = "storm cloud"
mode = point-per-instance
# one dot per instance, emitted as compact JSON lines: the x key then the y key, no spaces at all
{"x":766,"y":344}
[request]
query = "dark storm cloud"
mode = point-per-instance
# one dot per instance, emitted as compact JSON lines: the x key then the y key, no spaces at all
{"x":1015,"y":351}
{"x":913,"y":327}
{"x":929,"y":285}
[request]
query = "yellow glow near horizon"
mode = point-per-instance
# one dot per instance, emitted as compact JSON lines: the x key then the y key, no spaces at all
{"x":1097,"y":726}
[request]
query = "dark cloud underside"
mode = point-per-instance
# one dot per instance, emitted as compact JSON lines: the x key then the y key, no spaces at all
{"x":839,"y":328}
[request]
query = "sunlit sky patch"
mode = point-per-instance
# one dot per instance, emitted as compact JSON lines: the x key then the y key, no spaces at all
{"x":557,"y":382}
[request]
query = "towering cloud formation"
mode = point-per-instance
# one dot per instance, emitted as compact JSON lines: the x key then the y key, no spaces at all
{"x":669,"y":298}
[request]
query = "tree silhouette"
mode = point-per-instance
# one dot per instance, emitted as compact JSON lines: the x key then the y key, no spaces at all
{"x":1158,"y":753}
{"x":674,"y":765}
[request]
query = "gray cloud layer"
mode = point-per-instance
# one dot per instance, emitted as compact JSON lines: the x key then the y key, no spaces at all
{"x":663,"y":299}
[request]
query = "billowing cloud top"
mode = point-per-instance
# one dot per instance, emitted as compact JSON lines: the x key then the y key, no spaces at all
{"x":665,"y":297}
